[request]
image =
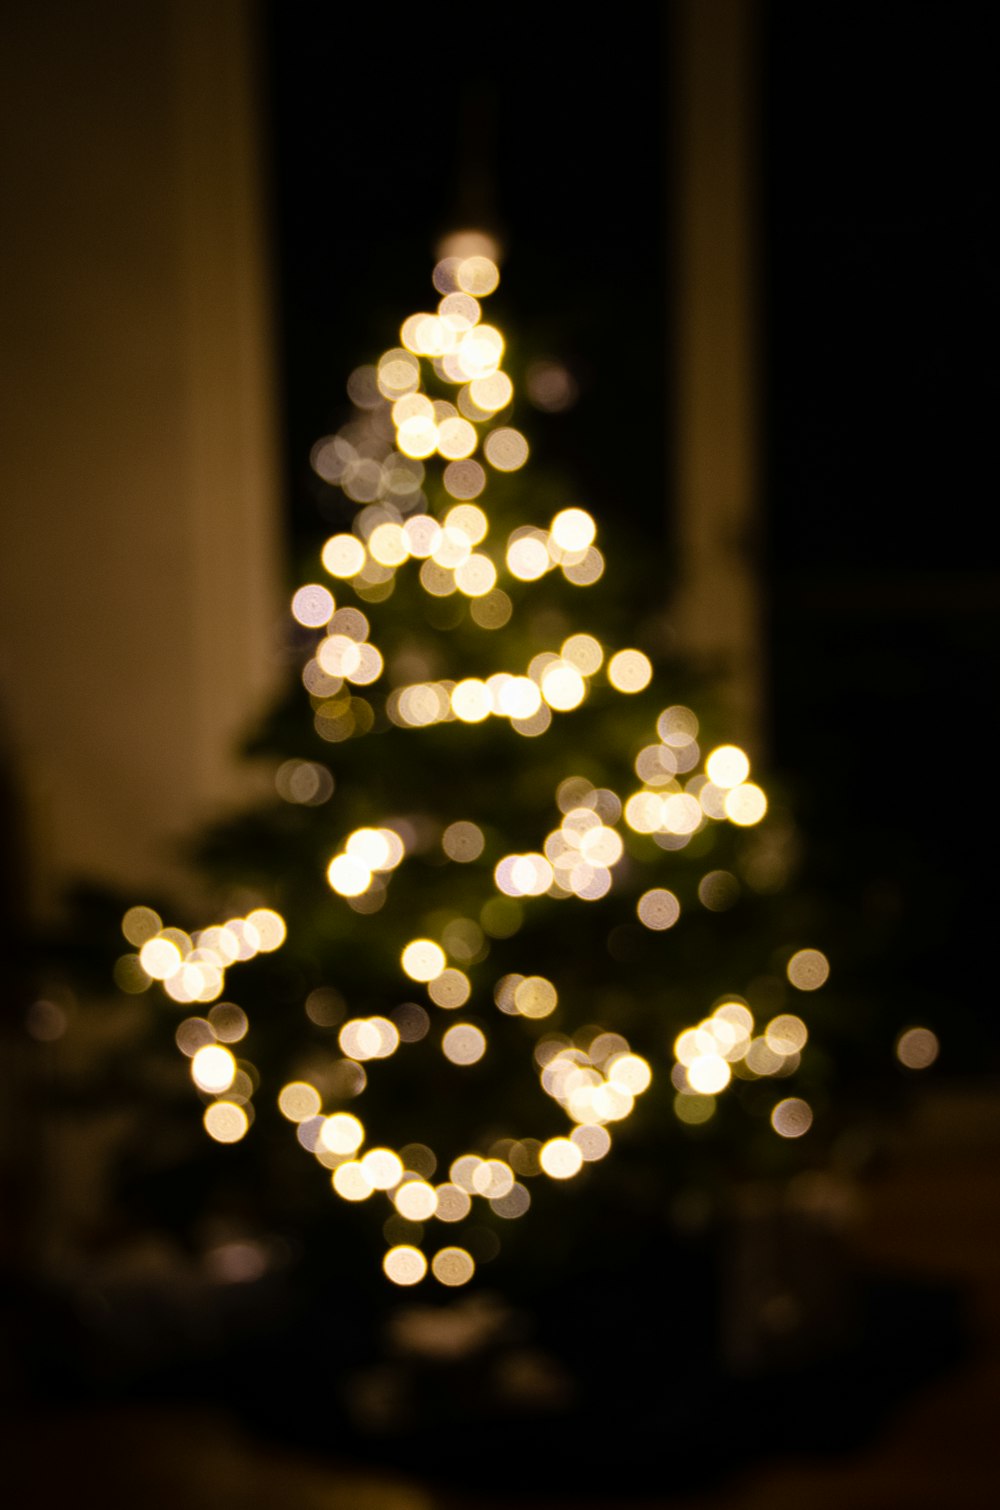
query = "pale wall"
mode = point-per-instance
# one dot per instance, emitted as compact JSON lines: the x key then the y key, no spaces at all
{"x":138,"y":564}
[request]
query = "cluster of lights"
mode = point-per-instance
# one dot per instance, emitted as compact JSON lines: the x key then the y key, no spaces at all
{"x":426,"y":962}
{"x":727,"y":1045}
{"x":578,"y":856}
{"x":577,"y":861}
{"x":217,"y":1073}
{"x":345,"y":654}
{"x":673,"y":806}
{"x":368,"y":855}
{"x":192,"y":968}
{"x":554,"y":682}
{"x":447,"y":548}
{"x":594,"y":1086}
{"x":568,"y":544}
{"x":379,"y":460}
{"x":307,"y":783}
{"x":405,"y":1177}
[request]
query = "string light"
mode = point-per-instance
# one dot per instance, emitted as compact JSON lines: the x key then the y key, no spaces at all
{"x":419,"y":470}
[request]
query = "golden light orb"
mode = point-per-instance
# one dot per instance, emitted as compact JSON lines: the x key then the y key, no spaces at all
{"x":422,"y":959}
{"x":404,"y":1265}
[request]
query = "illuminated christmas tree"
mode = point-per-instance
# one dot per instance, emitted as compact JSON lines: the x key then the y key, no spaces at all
{"x":511,"y":923}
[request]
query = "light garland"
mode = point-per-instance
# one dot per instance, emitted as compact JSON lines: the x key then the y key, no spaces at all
{"x":379,"y":461}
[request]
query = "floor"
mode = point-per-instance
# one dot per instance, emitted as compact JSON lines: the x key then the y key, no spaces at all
{"x":933,"y":1212}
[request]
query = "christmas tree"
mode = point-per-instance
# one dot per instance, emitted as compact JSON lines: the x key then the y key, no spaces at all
{"x":512,"y":913}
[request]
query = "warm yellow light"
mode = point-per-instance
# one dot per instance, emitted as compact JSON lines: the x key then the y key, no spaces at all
{"x":658,"y":909}
{"x":389,"y":545}
{"x":369,"y":666}
{"x":493,"y":1178}
{"x":505,"y":449}
{"x":453,"y":1203}
{"x":477,"y":275}
{"x":562,"y":686}
{"x":585,"y":570}
{"x":470,"y":520}
{"x":493,"y":393}
{"x":141,"y":924}
{"x":573,"y":530}
{"x":456,"y":439}
{"x":417,"y":437}
{"x":298,"y":1100}
{"x":453,"y":1266}
{"x":527,"y":558}
{"x":464,"y":1044}
{"x":643,"y":812}
{"x":398,"y":373}
{"x":583,"y":652}
{"x":680,"y":813}
{"x":213,"y":1069}
{"x":451,"y":989}
{"x":786,"y":1034}
{"x":808,"y":969}
{"x":413,"y":406}
{"x":160,"y":958}
{"x":348,"y":875}
{"x":343,"y":556}
{"x":423,"y":535}
{"x":404,"y":1265}
{"x":460,"y":311}
{"x":762,"y":1059}
{"x":917,"y":1048}
{"x":420,"y":334}
{"x":416,"y":1200}
{"x":382,"y":1168}
{"x":593,"y":1141}
{"x":350,"y":1182}
{"x":422,"y":959}
{"x":368,"y":1038}
{"x":560,"y":1158}
{"x":270,"y":926}
{"x":423,"y":704}
{"x":736,"y":1013}
{"x":313,"y":606}
{"x":792,"y":1118}
{"x":677,"y":726}
{"x":630,"y":671}
{"x":745,"y":805}
{"x":229,"y":1023}
{"x":708,"y":1074}
{"x":727,"y":766}
{"x":476,"y":577}
{"x":535,"y":997}
{"x":464,"y":479}
{"x":339,"y":655}
{"x":471,"y":701}
{"x":528,"y":875}
{"x":225,"y":1121}
{"x":370,"y":847}
{"x":519,"y":697}
{"x":342,"y":1133}
{"x":630,"y":1072}
{"x":601,"y":846}
{"x":463,"y":842}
